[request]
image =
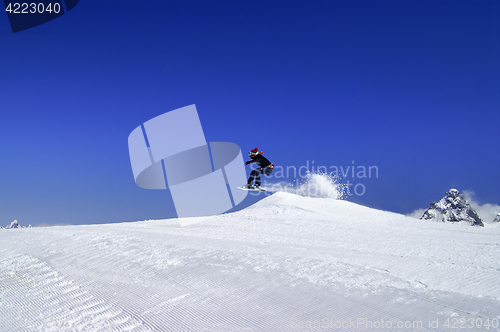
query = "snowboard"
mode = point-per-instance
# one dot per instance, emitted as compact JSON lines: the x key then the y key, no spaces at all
{"x":252,"y":189}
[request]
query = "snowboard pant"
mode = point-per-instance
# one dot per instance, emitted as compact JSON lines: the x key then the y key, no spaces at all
{"x":255,"y":174}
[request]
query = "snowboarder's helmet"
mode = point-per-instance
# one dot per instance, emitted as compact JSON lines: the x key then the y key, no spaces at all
{"x":253,"y":152}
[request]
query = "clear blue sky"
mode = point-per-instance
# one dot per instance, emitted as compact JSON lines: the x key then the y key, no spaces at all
{"x":412,"y":87}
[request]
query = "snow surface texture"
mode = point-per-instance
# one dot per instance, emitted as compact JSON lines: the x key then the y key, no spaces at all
{"x":452,"y":208}
{"x":287,"y":263}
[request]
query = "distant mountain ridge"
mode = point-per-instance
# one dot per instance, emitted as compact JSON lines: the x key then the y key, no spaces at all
{"x":15,"y":224}
{"x":453,"y":207}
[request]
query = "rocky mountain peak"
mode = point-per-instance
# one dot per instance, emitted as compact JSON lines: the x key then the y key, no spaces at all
{"x":15,"y":224}
{"x":452,"y":208}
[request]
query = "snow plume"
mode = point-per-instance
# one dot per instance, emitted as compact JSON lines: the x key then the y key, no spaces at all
{"x":487,"y":212}
{"x":417,"y":214}
{"x":317,"y":184}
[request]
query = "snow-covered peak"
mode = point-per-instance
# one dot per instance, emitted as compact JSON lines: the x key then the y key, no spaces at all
{"x":15,"y":224}
{"x":497,"y":218}
{"x":452,"y":208}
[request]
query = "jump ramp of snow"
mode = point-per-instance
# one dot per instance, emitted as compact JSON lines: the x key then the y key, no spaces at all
{"x":287,"y":263}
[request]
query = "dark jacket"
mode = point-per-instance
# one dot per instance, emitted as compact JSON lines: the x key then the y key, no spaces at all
{"x":259,"y":160}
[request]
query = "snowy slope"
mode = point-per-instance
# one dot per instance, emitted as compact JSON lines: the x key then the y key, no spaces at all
{"x":286,"y":263}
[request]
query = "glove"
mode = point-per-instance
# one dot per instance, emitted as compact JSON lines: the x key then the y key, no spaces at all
{"x":248,"y":162}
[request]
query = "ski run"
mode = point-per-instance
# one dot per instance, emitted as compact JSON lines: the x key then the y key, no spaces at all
{"x":286,"y":263}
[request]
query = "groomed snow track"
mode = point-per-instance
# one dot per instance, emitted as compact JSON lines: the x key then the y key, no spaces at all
{"x":288,"y":263}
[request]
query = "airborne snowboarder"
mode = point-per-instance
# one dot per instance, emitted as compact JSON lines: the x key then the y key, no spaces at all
{"x":266,"y":167}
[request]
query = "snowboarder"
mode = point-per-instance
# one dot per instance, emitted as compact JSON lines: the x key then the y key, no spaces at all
{"x":266,"y":167}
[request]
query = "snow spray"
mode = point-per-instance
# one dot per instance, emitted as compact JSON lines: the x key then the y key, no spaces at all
{"x":314,"y":184}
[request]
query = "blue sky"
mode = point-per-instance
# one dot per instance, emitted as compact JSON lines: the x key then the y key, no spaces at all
{"x":411,"y":87}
